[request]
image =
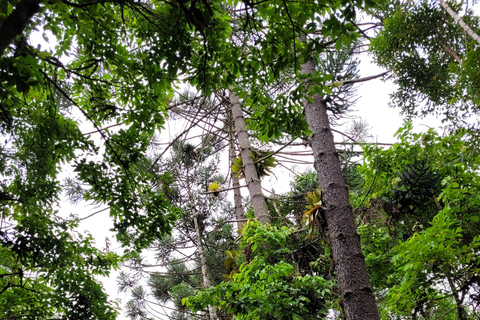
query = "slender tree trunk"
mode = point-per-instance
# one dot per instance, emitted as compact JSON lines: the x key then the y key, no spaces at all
{"x":356,"y":292}
{"x":451,"y":52}
{"x":462,"y":314}
{"x":201,"y":253}
{"x":203,"y":261}
{"x":459,"y":20}
{"x":15,"y":23}
{"x":251,"y":176}
{"x":237,"y":196}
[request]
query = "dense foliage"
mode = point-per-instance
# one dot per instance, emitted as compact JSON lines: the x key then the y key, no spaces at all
{"x":420,"y":228}
{"x":281,"y":276}
{"x":96,"y":92}
{"x":435,"y":63}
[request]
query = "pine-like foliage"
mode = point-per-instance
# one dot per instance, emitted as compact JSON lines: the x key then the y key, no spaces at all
{"x":416,"y":185}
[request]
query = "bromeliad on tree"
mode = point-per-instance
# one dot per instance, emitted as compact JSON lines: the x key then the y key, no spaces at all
{"x":314,"y":216}
{"x":264,"y":162}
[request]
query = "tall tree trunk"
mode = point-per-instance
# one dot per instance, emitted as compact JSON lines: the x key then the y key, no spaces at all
{"x":201,"y":253}
{"x":462,"y":314}
{"x":356,"y":292}
{"x":203,"y":261}
{"x":15,"y":23}
{"x":251,"y":176}
{"x":459,"y":20}
{"x":237,"y":196}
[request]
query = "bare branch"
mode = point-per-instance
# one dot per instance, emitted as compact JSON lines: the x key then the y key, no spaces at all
{"x":364,"y":79}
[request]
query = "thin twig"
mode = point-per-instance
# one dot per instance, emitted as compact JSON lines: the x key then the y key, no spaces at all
{"x":91,"y":215}
{"x":371,"y":186}
{"x":351,"y":81}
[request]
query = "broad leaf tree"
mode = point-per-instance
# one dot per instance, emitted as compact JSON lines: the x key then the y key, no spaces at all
{"x":434,"y":63}
{"x":419,"y":225}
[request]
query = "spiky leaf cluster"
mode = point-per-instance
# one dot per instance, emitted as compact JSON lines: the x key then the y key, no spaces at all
{"x":264,"y":162}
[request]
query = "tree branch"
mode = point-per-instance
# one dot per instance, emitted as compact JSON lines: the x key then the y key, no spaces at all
{"x":341,"y":83}
{"x":451,"y":52}
{"x":459,"y":20}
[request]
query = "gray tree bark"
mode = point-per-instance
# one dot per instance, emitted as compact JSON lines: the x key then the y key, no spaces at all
{"x":251,"y":176}
{"x":237,"y":196}
{"x":356,"y":292}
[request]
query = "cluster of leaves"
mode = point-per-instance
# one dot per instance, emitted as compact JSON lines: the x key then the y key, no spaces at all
{"x":89,"y":78}
{"x":280,"y":276}
{"x":264,"y":162}
{"x":433,"y":60}
{"x":313,"y":217}
{"x":46,"y":269}
{"x":420,"y":228}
